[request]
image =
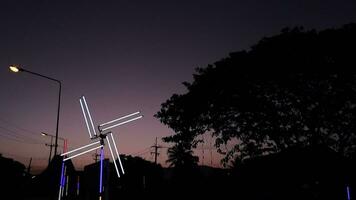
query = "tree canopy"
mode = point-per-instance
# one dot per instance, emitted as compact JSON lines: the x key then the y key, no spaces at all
{"x":287,"y":90}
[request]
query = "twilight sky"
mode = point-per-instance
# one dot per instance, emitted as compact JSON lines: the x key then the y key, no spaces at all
{"x":124,"y":56}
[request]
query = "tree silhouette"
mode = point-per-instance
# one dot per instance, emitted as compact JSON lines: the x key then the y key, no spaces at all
{"x":181,"y":157}
{"x":279,"y":94}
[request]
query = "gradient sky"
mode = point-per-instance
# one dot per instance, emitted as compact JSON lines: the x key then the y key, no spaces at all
{"x":124,"y":56}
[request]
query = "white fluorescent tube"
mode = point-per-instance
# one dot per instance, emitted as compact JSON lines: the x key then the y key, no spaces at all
{"x":83,"y":152}
{"x":91,"y":120}
{"x":112,"y":121}
{"x":68,"y":152}
{"x":85,"y":117}
{"x":113,"y":158}
{"x":130,"y":120}
{"x":117,"y":153}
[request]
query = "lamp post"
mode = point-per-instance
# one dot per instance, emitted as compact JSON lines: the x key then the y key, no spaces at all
{"x":16,"y":69}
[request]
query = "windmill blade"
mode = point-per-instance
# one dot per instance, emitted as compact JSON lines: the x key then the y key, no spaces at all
{"x":117,"y":153}
{"x":89,"y":115}
{"x":85,"y":117}
{"x":120,"y":118}
{"x":77,"y":149}
{"x":121,"y":123}
{"x":113,"y":157}
{"x":84,"y":152}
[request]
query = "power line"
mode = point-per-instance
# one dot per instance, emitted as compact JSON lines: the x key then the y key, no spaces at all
{"x":18,"y":127}
{"x":139,"y":152}
{"x":16,"y":139}
{"x":19,"y":135}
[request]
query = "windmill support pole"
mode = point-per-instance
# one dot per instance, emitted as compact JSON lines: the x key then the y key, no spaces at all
{"x":101,"y":173}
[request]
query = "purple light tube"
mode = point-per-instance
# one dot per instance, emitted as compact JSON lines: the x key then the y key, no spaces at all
{"x":101,"y":170}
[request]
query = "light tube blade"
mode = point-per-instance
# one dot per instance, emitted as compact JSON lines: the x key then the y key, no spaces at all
{"x":60,"y":192}
{"x":125,"y":122}
{"x":115,"y":120}
{"x":91,"y":120}
{"x":85,"y":117}
{"x":117,"y":153}
{"x":113,"y":158}
{"x":101,"y":171}
{"x":82,"y":153}
{"x":63,"y":154}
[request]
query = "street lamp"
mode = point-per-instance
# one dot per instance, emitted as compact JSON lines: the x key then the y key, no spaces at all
{"x":16,"y":69}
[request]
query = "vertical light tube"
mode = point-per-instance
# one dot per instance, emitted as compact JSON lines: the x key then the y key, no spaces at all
{"x":67,"y":183}
{"x":113,"y":158}
{"x":60,"y":192}
{"x":60,"y":184}
{"x":64,"y":179}
{"x":101,"y":170}
{"x":78,"y":185}
{"x":117,"y":153}
{"x":91,"y":120}
{"x":85,"y":117}
{"x":348,"y":193}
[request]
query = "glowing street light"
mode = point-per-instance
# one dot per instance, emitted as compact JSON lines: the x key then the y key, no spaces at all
{"x":16,"y":69}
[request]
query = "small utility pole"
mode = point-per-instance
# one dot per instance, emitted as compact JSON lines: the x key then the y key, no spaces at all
{"x":50,"y":150}
{"x":96,"y":156}
{"x":156,"y":147}
{"x":29,"y":166}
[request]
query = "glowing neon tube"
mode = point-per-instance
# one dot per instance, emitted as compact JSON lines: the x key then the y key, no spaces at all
{"x":60,"y":184}
{"x":74,"y":150}
{"x":83,"y":153}
{"x":130,"y":120}
{"x":115,"y":120}
{"x":91,"y":120}
{"x":117,"y":153}
{"x":85,"y":117}
{"x":113,"y":158}
{"x":101,"y":170}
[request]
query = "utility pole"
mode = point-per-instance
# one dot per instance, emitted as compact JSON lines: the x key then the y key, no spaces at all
{"x":156,"y":147}
{"x":50,"y":150}
{"x":29,"y":166}
{"x":96,"y":156}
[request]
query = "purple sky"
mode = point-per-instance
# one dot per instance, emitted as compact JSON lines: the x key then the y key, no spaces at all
{"x":124,"y":56}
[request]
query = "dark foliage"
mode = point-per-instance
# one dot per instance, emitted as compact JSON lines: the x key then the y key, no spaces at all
{"x":288,"y":90}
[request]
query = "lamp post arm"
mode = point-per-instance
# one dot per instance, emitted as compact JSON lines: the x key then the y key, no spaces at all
{"x":37,"y":74}
{"x":59,"y":101}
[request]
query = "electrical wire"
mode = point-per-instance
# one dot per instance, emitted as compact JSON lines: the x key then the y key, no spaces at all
{"x":18,"y":136}
{"x":18,"y":127}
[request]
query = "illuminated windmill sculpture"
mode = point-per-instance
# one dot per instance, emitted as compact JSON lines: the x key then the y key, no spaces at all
{"x":99,"y":142}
